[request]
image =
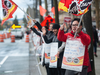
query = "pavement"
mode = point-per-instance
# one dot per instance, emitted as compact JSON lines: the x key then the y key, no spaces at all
{"x":35,"y":68}
{"x":97,"y":62}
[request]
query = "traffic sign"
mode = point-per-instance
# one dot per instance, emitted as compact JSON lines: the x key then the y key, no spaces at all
{"x":15,"y":26}
{"x":67,"y":19}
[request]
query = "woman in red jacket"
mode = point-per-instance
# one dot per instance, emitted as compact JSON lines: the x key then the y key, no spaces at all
{"x":85,"y":40}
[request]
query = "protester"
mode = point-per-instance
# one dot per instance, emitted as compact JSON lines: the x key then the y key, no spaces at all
{"x":36,"y":40}
{"x":49,"y":34}
{"x":58,"y":70}
{"x":85,"y":39}
{"x":67,"y":27}
{"x":50,"y":26}
{"x":40,"y":34}
{"x":95,"y":40}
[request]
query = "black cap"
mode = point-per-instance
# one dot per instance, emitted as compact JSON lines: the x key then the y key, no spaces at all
{"x":56,"y":26}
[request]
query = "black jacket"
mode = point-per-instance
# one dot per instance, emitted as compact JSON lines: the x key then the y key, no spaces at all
{"x":54,"y":39}
{"x":95,"y":36}
{"x":35,"y":31}
{"x":50,"y":37}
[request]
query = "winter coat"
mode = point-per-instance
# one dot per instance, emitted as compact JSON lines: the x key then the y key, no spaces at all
{"x":95,"y":36}
{"x":85,"y":39}
{"x":54,"y":39}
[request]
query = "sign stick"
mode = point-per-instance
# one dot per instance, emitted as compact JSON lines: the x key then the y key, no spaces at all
{"x":25,"y":13}
{"x":78,"y":25}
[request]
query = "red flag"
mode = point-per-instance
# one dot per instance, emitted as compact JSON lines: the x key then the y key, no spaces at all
{"x":53,"y":10}
{"x":64,"y":5}
{"x":47,"y":21}
{"x":9,"y":7}
{"x":42,"y":10}
{"x":76,"y":7}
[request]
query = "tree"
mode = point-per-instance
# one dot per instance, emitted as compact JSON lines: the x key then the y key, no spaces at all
{"x":25,"y":21}
{"x":40,"y":17}
{"x":88,"y":25}
{"x":46,"y":7}
{"x":56,"y":11}
{"x":0,"y":20}
{"x":1,"y":27}
{"x":36,"y":12}
{"x":15,"y":21}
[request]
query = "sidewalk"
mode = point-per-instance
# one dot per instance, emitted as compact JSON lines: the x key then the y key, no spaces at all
{"x":35,"y":69}
{"x":97,"y":62}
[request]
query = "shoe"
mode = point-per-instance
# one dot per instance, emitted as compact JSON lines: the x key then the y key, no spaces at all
{"x":96,"y":55}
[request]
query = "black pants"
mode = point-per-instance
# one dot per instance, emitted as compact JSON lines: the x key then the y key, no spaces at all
{"x":47,"y":69}
{"x":61,"y":71}
{"x":53,"y":71}
{"x":84,"y":71}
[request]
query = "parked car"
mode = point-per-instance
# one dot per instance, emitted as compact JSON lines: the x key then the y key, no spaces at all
{"x":17,"y":32}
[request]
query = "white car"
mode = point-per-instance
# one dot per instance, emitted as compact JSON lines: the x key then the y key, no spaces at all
{"x":17,"y":33}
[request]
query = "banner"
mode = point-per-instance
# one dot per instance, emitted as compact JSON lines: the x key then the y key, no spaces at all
{"x":42,"y":54}
{"x":47,"y":48}
{"x":9,"y":7}
{"x":76,"y":7}
{"x":67,"y":19}
{"x":42,"y":10}
{"x":73,"y":54}
{"x":53,"y":10}
{"x":47,"y":21}
{"x":53,"y":55}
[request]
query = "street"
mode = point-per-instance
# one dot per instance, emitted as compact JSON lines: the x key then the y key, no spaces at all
{"x":15,"y":58}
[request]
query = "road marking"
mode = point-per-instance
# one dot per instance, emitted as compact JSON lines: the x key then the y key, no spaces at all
{"x":3,"y":60}
{"x":8,"y":71}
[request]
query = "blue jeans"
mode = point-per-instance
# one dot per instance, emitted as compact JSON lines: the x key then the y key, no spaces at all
{"x":95,"y":47}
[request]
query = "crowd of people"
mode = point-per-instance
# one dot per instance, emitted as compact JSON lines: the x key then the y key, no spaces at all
{"x":60,"y":34}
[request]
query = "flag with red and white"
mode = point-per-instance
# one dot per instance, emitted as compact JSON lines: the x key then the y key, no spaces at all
{"x":76,"y":7}
{"x":9,"y":7}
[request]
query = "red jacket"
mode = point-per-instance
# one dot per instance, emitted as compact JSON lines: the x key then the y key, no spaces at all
{"x":85,"y":39}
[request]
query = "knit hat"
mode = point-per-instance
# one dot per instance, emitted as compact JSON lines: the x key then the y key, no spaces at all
{"x":56,"y":26}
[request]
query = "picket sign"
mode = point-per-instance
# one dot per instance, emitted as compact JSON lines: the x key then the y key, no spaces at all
{"x":42,"y":54}
{"x":47,"y":48}
{"x":73,"y":54}
{"x":53,"y":55}
{"x":50,"y":53}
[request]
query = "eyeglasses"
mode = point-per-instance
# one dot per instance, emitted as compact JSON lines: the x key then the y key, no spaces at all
{"x":74,"y":24}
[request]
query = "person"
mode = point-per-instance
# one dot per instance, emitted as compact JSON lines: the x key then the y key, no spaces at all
{"x":95,"y":41}
{"x":85,"y":40}
{"x":50,"y":26}
{"x":39,"y":33}
{"x":36,"y":40}
{"x":67,"y":28}
{"x":49,"y":35}
{"x":58,"y":70}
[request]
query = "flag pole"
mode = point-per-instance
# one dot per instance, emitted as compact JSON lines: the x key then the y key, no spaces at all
{"x":25,"y":12}
{"x":78,"y":25}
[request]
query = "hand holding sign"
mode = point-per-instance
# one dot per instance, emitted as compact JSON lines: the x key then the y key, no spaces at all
{"x":34,"y":20}
{"x":44,"y":31}
{"x":62,"y":27}
{"x":78,"y":30}
{"x":58,"y":54}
